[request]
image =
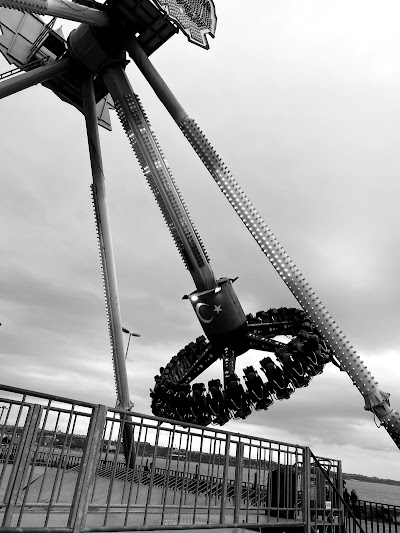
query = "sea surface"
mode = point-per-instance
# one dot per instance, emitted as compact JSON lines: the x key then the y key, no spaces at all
{"x":375,"y":492}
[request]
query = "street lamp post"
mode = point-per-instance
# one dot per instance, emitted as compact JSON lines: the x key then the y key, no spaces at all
{"x":127,"y":427}
{"x":129,"y":339}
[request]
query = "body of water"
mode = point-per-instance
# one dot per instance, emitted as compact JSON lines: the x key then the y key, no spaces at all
{"x":375,"y":492}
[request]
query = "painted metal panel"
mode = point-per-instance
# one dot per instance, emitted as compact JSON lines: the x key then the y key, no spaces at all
{"x":19,"y":32}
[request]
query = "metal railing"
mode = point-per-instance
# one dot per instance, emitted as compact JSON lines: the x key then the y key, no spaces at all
{"x":374,"y":517}
{"x":64,"y":465}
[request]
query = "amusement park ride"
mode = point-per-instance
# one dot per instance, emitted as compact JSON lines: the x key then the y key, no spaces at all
{"x":88,"y":71}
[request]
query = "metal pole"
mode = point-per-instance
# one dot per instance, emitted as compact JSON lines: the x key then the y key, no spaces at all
{"x":127,"y":346}
{"x":238,"y":481}
{"x":224,"y":487}
{"x":339,"y":487}
{"x":159,"y":177}
{"x":306,"y":490}
{"x":34,"y":77}
{"x":157,"y":83}
{"x":87,"y":469}
{"x":106,"y":248}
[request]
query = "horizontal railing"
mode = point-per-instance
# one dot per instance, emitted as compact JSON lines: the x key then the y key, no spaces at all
{"x":78,"y":466}
{"x":376,"y":517}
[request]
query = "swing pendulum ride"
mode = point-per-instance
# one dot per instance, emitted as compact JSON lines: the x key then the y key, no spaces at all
{"x":88,"y":72}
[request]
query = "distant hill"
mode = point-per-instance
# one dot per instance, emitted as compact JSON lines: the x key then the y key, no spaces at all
{"x":359,"y":477}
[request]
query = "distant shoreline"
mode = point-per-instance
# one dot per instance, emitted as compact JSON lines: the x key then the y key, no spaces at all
{"x":359,"y":477}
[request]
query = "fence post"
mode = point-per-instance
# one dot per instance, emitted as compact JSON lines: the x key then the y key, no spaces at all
{"x":238,"y":481}
{"x":306,"y":490}
{"x":339,"y":487}
{"x":255,"y":480}
{"x":87,"y":471}
{"x":21,"y":462}
{"x":225,"y":480}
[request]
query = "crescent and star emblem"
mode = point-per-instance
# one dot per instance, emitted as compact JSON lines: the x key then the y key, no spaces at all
{"x":217,"y":309}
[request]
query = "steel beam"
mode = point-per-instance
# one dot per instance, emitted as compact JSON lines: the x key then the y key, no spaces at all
{"x":159,"y":177}
{"x":34,"y":77}
{"x":106,"y":247}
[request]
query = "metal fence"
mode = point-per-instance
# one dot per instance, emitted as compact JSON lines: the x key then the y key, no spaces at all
{"x":75,"y":466}
{"x":373,"y":517}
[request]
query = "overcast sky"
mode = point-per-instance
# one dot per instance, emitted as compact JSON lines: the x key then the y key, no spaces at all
{"x":302,"y":101}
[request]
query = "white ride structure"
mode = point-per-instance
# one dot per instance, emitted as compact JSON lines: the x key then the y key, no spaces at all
{"x":87,"y":71}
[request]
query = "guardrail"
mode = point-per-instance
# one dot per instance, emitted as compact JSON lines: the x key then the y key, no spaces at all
{"x":64,"y":467}
{"x":374,"y":517}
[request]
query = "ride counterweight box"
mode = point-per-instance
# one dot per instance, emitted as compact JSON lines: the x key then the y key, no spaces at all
{"x":218,"y":310}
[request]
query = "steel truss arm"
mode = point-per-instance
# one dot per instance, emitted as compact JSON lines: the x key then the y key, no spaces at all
{"x":375,"y":400}
{"x":259,"y":342}
{"x":229,"y":363}
{"x":159,"y":177}
{"x":64,"y":9}
{"x":204,"y":359}
{"x":277,"y":328}
{"x":105,"y":246}
{"x":34,"y":77}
